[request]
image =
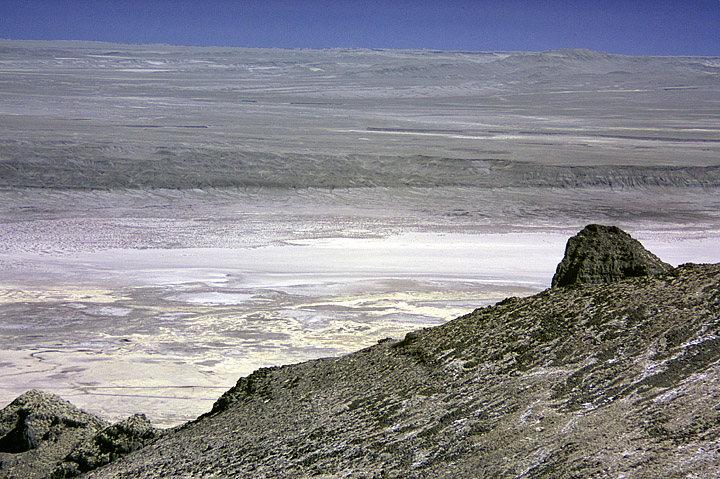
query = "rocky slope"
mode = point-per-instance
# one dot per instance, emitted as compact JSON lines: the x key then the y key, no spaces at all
{"x":108,"y":445}
{"x":586,"y":380}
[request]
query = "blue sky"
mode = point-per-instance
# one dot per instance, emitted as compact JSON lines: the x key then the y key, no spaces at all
{"x":643,"y":27}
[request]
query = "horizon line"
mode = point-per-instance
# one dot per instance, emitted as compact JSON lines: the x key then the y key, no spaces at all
{"x":438,"y":50}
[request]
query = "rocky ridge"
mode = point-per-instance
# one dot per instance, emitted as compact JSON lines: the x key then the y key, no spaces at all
{"x":586,"y":380}
{"x":108,"y":445}
{"x":80,"y":167}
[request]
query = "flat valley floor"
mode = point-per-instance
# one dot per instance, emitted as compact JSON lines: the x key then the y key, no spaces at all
{"x":173,"y":218}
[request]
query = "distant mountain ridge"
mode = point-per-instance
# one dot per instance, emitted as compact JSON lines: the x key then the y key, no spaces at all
{"x":81,"y":115}
{"x":211,"y":169}
{"x":585,"y":380}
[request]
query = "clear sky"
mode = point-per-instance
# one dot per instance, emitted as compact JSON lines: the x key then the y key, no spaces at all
{"x":639,"y":27}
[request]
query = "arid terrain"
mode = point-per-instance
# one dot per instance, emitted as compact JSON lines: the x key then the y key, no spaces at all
{"x":174,"y":218}
{"x":611,"y":372}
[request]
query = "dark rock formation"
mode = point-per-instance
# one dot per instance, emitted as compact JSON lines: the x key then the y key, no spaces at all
{"x":37,"y":430}
{"x":605,"y":254}
{"x":110,"y":444}
{"x":42,"y":435}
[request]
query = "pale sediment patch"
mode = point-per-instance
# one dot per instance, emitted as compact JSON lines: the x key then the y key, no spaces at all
{"x":166,"y":331}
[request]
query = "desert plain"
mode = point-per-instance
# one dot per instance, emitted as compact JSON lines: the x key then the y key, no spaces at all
{"x":173,"y":218}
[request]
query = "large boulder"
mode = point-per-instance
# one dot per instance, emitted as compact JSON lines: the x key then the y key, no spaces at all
{"x":37,"y":430}
{"x":605,"y":254}
{"x":42,"y":436}
{"x":109,"y":445}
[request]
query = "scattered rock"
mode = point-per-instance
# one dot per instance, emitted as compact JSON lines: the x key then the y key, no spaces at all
{"x":605,"y":254}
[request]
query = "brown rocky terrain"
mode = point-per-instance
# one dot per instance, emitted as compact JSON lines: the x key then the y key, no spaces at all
{"x":585,"y":380}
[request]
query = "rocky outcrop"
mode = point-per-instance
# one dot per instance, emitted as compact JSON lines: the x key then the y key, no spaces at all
{"x":605,"y":254}
{"x":37,"y":430}
{"x":42,"y":436}
{"x":607,"y":380}
{"x":109,"y":445}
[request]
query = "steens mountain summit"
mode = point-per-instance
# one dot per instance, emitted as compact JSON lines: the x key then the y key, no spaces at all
{"x":612,"y":372}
